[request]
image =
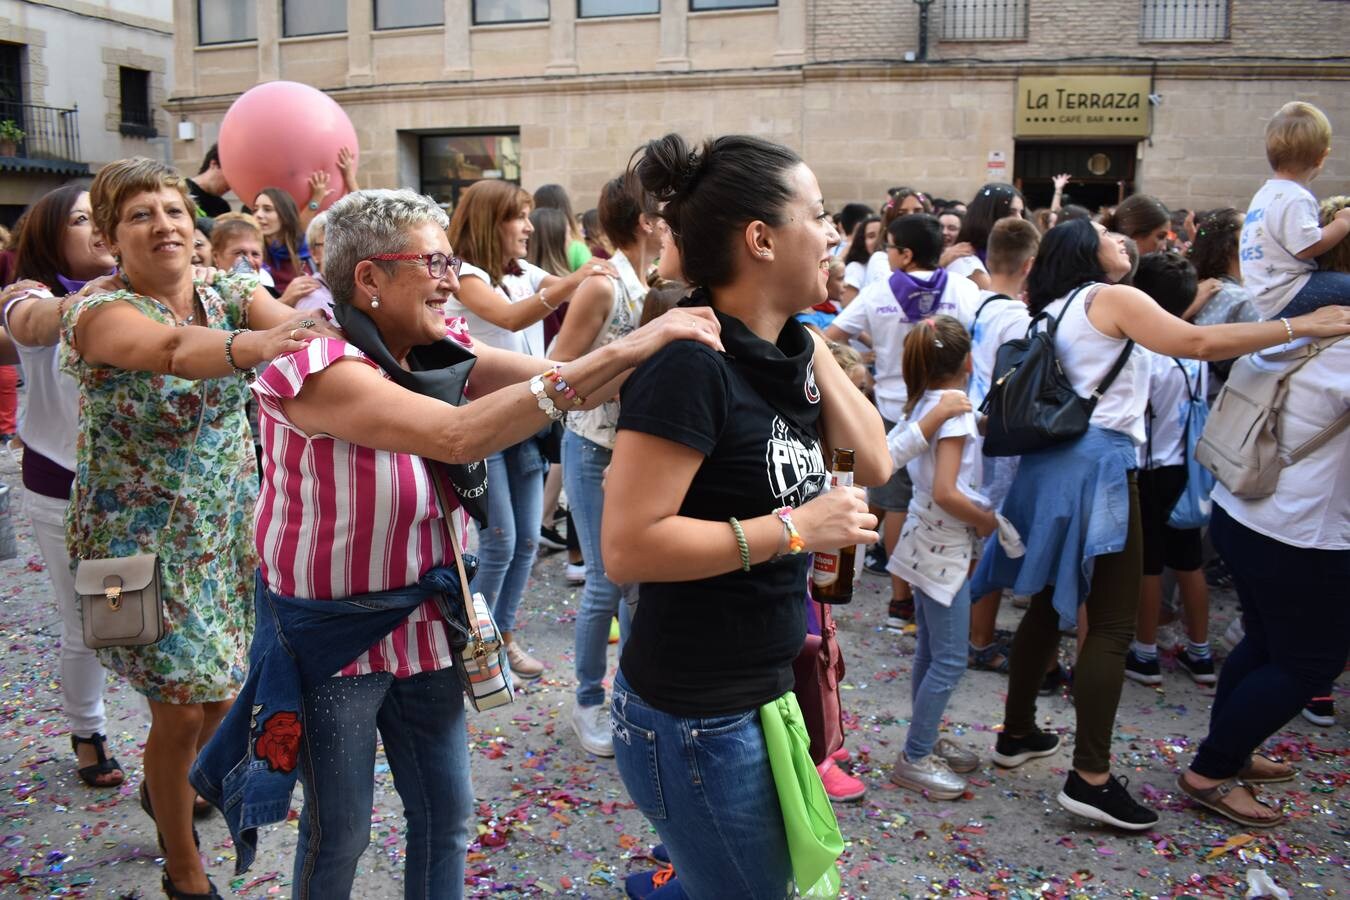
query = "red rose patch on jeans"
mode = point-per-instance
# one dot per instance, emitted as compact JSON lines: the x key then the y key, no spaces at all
{"x":279,"y":742}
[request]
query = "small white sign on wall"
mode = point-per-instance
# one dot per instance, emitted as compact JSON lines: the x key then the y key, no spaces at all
{"x":996,"y":167}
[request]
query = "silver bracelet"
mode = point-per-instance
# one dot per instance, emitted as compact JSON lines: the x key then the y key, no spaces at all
{"x":544,"y":400}
{"x":543,"y":298}
{"x":1289,"y":329}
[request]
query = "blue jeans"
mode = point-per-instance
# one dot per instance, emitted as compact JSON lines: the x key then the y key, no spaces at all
{"x":508,"y":545}
{"x":706,"y":787}
{"x":421,"y":721}
{"x":939,"y":662}
{"x":584,"y":464}
{"x":1324,"y":288}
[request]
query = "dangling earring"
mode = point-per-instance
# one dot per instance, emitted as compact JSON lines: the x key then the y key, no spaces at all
{"x":374,"y":301}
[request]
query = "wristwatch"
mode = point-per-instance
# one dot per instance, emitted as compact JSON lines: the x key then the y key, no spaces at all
{"x":314,"y":205}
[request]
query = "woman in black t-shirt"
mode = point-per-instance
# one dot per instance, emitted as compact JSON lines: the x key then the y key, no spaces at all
{"x":715,"y":493}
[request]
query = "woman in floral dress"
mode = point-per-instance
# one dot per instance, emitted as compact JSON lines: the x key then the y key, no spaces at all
{"x":162,"y":367}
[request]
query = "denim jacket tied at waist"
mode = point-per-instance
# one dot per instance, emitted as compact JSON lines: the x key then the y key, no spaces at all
{"x":248,"y":769}
{"x":1071,"y":504}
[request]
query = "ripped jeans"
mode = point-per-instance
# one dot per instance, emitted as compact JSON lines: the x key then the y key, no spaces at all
{"x":508,"y":545}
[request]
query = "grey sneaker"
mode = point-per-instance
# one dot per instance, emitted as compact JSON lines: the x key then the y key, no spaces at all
{"x":959,"y":758}
{"x":593,"y":728}
{"x":929,"y":776}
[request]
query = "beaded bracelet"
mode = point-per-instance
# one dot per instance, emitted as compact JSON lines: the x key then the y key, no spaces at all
{"x":795,"y":542}
{"x":544,"y":400}
{"x":562,"y":387}
{"x":741,"y":543}
{"x":229,"y":354}
{"x":1289,"y":329}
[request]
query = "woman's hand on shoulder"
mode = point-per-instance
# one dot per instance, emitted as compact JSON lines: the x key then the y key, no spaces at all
{"x":300,"y":286}
{"x":679,"y":324}
{"x":253,"y":347}
{"x":835,"y":519}
{"x":1325,"y":322}
{"x":955,"y":252}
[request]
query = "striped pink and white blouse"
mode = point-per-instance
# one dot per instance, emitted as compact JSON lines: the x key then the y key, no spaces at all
{"x":336,"y":519}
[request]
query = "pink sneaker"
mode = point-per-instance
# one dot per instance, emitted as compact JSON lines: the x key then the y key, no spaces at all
{"x":841,"y":786}
{"x":841,"y":755}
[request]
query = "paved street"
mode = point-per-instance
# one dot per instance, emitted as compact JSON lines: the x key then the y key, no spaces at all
{"x":554,"y":821}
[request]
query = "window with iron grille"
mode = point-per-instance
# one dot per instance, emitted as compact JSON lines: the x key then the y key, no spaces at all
{"x":1183,"y":20}
{"x":984,"y":20}
{"x":138,"y":120}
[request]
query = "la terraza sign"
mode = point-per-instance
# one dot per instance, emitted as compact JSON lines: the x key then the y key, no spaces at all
{"x":1082,"y":106}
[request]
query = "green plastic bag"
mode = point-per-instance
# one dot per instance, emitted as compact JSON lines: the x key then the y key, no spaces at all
{"x":813,"y":837}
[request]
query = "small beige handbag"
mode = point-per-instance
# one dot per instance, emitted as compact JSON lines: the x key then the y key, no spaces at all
{"x":121,"y":604}
{"x":120,"y":601}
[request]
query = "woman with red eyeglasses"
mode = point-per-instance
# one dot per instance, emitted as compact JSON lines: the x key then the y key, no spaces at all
{"x":505,"y":299}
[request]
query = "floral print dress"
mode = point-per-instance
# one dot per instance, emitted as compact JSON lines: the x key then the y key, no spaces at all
{"x":135,"y":453}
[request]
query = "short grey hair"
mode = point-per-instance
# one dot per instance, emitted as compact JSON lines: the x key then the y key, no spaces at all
{"x":367,"y":223}
{"x":317,"y":226}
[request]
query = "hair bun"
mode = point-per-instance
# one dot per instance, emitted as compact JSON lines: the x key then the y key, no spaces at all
{"x":666,"y":166}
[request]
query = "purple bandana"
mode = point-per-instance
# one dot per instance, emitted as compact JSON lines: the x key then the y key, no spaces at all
{"x":918,"y":297}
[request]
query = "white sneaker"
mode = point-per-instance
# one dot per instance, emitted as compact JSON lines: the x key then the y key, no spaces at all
{"x":930,"y":776}
{"x":592,"y":725}
{"x":576,"y":573}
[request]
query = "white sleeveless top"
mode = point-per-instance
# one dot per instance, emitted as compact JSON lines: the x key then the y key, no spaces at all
{"x":600,"y":425}
{"x":1087,"y":355}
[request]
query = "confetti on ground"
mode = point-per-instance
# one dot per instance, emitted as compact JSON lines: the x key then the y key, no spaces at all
{"x":552,"y":821}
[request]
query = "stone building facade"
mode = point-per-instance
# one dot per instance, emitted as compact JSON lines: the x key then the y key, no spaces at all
{"x":86,"y":82}
{"x":558,"y":95}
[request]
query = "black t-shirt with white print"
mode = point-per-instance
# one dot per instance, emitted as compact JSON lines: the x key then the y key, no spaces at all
{"x":724,"y":645}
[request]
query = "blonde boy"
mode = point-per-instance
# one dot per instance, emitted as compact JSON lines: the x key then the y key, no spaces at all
{"x":1281,"y":236}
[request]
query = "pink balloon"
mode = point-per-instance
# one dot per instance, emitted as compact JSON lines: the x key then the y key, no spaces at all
{"x":279,"y":133}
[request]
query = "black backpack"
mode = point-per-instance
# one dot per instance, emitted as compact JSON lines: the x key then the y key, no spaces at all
{"x":1031,"y":404}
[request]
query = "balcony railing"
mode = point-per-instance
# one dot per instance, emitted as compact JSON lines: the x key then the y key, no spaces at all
{"x":984,"y":20}
{"x":50,"y":133}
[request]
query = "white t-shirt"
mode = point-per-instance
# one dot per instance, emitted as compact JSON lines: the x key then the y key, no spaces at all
{"x":922,"y":468}
{"x":1000,"y":321}
{"x":1168,"y":405}
{"x":876,"y":311}
{"x":50,"y":420}
{"x":514,"y":288}
{"x":1281,"y":221}
{"x":878,"y":268}
{"x":855,"y":275}
{"x":967,"y":265}
{"x":1087,"y":355}
{"x":1311,"y":504}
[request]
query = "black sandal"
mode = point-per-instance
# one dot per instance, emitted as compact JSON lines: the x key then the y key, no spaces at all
{"x":173,"y":893}
{"x":106,"y":764}
{"x":149,"y":811}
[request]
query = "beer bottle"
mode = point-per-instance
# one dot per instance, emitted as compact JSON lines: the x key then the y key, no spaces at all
{"x":832,"y":573}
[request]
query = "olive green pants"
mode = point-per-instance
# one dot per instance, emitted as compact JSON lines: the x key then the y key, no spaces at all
{"x":1111,"y":606}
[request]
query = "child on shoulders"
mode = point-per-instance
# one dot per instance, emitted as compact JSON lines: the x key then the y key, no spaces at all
{"x":1281,"y":237}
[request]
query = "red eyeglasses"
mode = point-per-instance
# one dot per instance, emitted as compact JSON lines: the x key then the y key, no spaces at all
{"x":437,"y":263}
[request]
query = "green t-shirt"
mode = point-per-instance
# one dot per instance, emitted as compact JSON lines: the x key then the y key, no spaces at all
{"x":578,"y":254}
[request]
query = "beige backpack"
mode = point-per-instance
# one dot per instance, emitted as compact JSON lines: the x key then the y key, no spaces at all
{"x":1241,"y":443}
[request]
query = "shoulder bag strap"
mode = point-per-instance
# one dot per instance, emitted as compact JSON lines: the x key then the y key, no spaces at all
{"x":475,"y":635}
{"x":201,"y":417}
{"x":1318,"y":439}
{"x":987,"y":301}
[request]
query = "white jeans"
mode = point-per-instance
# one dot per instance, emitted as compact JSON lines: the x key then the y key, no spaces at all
{"x":82,"y":675}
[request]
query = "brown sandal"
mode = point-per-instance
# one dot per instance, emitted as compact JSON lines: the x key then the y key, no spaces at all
{"x":1215,"y":799}
{"x":1285,"y":772}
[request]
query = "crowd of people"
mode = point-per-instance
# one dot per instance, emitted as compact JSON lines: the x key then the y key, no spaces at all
{"x":303,"y":415}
